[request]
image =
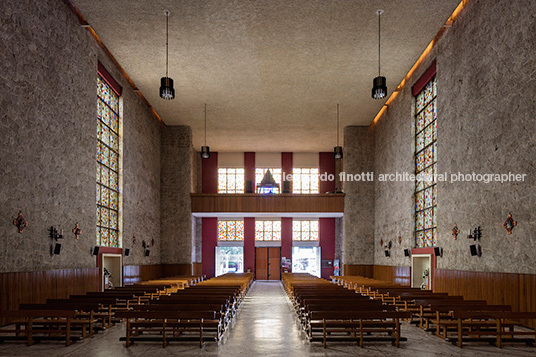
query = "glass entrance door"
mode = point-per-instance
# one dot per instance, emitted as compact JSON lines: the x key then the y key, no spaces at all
{"x":229,"y":260}
{"x":306,"y":260}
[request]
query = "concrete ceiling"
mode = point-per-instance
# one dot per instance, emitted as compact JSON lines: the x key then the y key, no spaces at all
{"x":271,"y":71}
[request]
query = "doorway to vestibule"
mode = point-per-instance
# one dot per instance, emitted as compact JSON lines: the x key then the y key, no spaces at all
{"x":268,"y":263}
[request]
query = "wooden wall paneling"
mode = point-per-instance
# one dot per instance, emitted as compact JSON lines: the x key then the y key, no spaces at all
{"x":358,"y":270}
{"x":38,"y":286}
{"x":395,"y":274}
{"x":517,"y":290}
{"x":263,"y":203}
{"x":197,"y":268}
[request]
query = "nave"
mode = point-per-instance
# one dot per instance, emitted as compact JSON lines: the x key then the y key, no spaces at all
{"x":265,"y":326}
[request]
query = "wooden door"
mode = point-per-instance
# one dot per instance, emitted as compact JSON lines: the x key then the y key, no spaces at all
{"x":261,"y":263}
{"x":274,"y":263}
{"x":268,"y":263}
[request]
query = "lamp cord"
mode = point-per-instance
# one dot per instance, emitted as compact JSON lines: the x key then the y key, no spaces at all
{"x":337,"y":124}
{"x":379,"y":43}
{"x":167,"y":43}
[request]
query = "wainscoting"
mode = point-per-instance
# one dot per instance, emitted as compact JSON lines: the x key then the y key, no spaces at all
{"x":518,"y":290}
{"x":394,"y":274}
{"x":135,"y":273}
{"x":38,"y":286}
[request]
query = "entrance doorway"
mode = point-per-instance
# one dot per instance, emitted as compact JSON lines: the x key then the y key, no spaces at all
{"x":306,"y":260}
{"x":268,"y":263}
{"x":112,"y":271}
{"x":229,"y":260}
{"x":421,"y":267}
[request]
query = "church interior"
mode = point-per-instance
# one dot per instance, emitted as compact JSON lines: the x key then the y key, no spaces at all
{"x":277,"y":177}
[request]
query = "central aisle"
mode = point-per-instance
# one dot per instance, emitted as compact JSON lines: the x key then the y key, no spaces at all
{"x":265,"y":325}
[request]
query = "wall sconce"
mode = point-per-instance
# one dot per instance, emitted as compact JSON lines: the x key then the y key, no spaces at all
{"x":387,"y":253}
{"x":476,"y":234}
{"x":126,"y":252}
{"x":407,"y":252}
{"x":53,"y":232}
{"x":95,"y":250}
{"x":476,"y":249}
{"x":147,"y":252}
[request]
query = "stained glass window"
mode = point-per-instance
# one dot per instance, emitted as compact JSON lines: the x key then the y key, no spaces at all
{"x":230,"y":180}
{"x":230,"y":230}
{"x":305,"y":230}
{"x":268,"y":230}
{"x":426,"y":166}
{"x":276,"y":173}
{"x":107,"y":193}
{"x":305,"y":180}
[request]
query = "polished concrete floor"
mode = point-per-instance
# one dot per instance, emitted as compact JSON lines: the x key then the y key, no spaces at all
{"x":265,"y":326}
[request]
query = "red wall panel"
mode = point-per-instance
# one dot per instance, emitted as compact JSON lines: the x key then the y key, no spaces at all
{"x":327,"y":243}
{"x":249,"y":244}
{"x":326,"y":163}
{"x":210,"y":241}
{"x":209,"y":174}
{"x":286,"y":237}
{"x":249,"y":168}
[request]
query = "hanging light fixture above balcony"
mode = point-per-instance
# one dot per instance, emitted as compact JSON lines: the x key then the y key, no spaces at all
{"x":379,"y":89}
{"x":337,"y":150}
{"x":166,"y":83}
{"x":205,"y":150}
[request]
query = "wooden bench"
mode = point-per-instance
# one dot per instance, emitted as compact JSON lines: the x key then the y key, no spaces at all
{"x":84,"y":314}
{"x":492,"y":323}
{"x":360,"y":322}
{"x":40,"y":324}
{"x":164,"y":323}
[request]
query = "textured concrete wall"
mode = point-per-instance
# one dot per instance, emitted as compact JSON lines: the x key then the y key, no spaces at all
{"x":485,"y":73}
{"x":176,"y":185}
{"x":47,"y":117}
{"x":358,"y":241}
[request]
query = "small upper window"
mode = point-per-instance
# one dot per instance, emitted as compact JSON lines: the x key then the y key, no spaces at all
{"x":268,"y":230}
{"x":305,"y":230}
{"x":259,"y":175}
{"x":230,"y":180}
{"x":230,"y":230}
{"x":305,"y":180}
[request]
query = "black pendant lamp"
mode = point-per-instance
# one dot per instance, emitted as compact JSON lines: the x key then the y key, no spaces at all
{"x":337,"y":150}
{"x":205,"y":150}
{"x":166,"y":84}
{"x":379,"y":88}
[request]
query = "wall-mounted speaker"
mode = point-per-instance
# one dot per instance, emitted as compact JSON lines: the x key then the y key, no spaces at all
{"x":387,"y":253}
{"x":57,"y":249}
{"x":147,"y":252}
{"x":438,"y":251}
{"x":476,"y":250}
{"x":95,"y":250}
{"x":249,"y":187}
{"x":407,"y":252}
{"x":126,"y":251}
{"x":286,"y":186}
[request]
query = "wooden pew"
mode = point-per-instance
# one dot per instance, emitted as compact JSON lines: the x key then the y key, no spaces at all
{"x":360,"y":322}
{"x":40,"y":324}
{"x":491,"y":323}
{"x":84,"y":314}
{"x":165,"y":322}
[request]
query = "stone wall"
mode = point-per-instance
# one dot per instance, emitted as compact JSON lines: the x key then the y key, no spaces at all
{"x":358,"y":240}
{"x":176,"y":185}
{"x":47,"y":117}
{"x":485,"y":75}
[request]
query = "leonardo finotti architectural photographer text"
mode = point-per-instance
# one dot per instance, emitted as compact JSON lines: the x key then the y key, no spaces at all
{"x":410,"y":177}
